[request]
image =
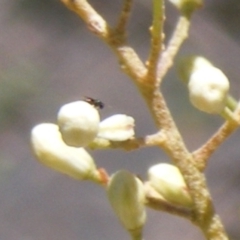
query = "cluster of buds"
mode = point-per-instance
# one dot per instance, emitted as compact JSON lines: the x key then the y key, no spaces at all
{"x":128,"y":195}
{"x":208,"y":86}
{"x":61,"y":146}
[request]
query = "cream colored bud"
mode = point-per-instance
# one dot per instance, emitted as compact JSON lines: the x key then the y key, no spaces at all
{"x":118,"y":127}
{"x":168,"y":181}
{"x":208,"y":89}
{"x":78,"y":123}
{"x":126,"y":195}
{"x":51,"y":151}
{"x":207,"y":85}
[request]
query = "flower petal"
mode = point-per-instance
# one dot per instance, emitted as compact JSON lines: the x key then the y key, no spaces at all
{"x":118,"y":127}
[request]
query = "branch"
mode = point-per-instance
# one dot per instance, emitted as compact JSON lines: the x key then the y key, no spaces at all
{"x":120,"y":28}
{"x":129,"y":60}
{"x":156,"y":202}
{"x":179,"y":35}
{"x":157,"y":139}
{"x":204,"y":215}
{"x":157,"y":36}
{"x":202,"y":155}
{"x":93,"y":20}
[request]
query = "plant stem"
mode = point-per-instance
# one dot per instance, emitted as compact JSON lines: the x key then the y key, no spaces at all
{"x":202,"y":154}
{"x":203,"y":211}
{"x":93,"y":20}
{"x":136,"y":234}
{"x":121,"y":25}
{"x":179,"y":35}
{"x":231,"y":103}
{"x":157,"y":36}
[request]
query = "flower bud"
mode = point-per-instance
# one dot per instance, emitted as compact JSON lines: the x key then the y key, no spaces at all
{"x":78,"y":123}
{"x":208,"y":90}
{"x":208,"y":86}
{"x":51,"y":151}
{"x":126,"y":195}
{"x":167,"y":180}
{"x":118,"y":127}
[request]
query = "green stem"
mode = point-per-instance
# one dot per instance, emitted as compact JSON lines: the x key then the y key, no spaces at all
{"x":231,"y":103}
{"x":228,"y":115}
{"x":179,"y":35}
{"x":136,"y":234}
{"x":156,"y":31}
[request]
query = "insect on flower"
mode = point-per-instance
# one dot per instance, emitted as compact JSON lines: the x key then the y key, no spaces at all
{"x":95,"y":102}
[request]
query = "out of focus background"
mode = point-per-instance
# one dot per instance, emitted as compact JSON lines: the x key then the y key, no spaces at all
{"x":48,"y":58}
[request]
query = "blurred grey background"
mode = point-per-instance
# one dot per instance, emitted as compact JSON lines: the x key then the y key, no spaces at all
{"x":48,"y":58}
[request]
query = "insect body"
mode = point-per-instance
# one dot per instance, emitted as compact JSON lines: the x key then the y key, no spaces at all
{"x":95,"y":102}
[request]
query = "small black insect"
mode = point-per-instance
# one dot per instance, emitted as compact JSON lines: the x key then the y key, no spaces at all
{"x":95,"y":102}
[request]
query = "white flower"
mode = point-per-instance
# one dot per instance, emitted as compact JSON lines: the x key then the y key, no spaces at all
{"x":208,"y":89}
{"x":126,"y":195}
{"x":118,"y":127}
{"x":167,"y":180}
{"x":78,"y":123}
{"x":50,"y":150}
